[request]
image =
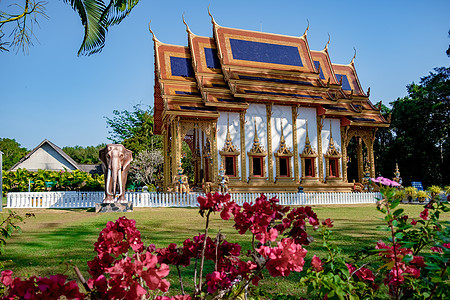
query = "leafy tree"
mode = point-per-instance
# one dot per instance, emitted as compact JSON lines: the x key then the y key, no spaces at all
{"x":97,"y":16}
{"x":12,"y":152}
{"x":81,"y":155}
{"x":421,"y":125}
{"x":134,"y":129}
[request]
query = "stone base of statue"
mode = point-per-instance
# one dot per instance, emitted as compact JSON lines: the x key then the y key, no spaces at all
{"x":113,"y":207}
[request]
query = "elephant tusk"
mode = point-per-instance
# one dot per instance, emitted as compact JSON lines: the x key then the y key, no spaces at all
{"x":120,"y":183}
{"x":108,"y":181}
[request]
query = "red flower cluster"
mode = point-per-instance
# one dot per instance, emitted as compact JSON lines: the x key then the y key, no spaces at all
{"x":316,"y":263}
{"x":34,"y":287}
{"x":395,"y":277}
{"x":215,"y":202}
{"x":123,"y":271}
{"x":361,"y":273}
{"x":286,"y":257}
{"x":178,"y":297}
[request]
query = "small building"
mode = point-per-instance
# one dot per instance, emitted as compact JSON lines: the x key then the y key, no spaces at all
{"x":48,"y":156}
{"x":270,"y":112}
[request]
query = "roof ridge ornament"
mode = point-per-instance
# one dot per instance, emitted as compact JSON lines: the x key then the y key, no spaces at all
{"x":212,"y":18}
{"x":188,"y":30}
{"x":151,"y":31}
{"x":306,"y":30}
{"x":354,"y":56}
{"x":326,"y":45}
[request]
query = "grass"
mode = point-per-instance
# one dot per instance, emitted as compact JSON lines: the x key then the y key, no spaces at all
{"x":56,"y":239}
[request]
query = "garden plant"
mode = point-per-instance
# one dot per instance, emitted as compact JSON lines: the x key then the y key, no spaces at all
{"x":411,"y":264}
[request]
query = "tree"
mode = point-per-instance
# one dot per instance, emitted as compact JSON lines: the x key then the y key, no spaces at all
{"x":144,"y":166}
{"x":420,"y":126}
{"x":134,"y":129}
{"x":22,"y":19}
{"x":12,"y":152}
{"x":81,"y":155}
{"x":97,"y":16}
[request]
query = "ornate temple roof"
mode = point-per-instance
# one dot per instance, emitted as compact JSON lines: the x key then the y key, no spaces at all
{"x":237,"y":67}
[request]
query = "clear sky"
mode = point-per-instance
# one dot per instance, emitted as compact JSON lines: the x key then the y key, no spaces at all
{"x":53,"y":94}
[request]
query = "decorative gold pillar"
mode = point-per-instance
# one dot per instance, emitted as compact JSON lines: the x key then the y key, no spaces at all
{"x":174,"y":154}
{"x":371,"y":159}
{"x":269,"y":140}
{"x":243,"y":150}
{"x":319,"y":148}
{"x":372,"y":155}
{"x":166,"y":167}
{"x":344,"y":154}
{"x":214,"y":150}
{"x":295,"y":142}
{"x":359,"y":158}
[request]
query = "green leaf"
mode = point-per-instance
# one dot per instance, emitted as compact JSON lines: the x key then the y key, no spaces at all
{"x":398,"y":211}
{"x":399,"y":235}
{"x":395,"y":203}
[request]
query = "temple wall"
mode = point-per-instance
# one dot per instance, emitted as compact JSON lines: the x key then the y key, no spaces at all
{"x":255,"y":112}
{"x":336,"y":131}
{"x":281,"y":114}
{"x":306,"y":114}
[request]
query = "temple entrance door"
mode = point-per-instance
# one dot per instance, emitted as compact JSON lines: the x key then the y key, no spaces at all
{"x":356,"y":157}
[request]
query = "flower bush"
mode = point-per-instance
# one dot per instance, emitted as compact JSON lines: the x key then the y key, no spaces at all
{"x":411,"y":264}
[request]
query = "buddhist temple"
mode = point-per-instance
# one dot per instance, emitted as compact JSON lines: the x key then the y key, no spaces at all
{"x":265,"y":109}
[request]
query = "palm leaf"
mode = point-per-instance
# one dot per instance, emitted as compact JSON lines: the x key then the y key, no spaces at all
{"x":117,"y":10}
{"x":90,"y":12}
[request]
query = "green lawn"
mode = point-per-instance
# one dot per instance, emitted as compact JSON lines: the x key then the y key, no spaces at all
{"x":56,"y":239}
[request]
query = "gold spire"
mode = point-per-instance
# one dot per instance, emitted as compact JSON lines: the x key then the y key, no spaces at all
{"x":331,"y":147}
{"x":283,"y":148}
{"x":229,"y":147}
{"x":257,"y":147}
{"x":308,"y":150}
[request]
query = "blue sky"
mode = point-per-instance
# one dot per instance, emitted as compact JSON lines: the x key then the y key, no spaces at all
{"x":53,"y":94}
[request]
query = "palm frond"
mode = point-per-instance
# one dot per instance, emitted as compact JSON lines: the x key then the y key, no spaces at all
{"x":96,"y":18}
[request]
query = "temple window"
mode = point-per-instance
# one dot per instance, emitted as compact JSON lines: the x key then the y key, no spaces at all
{"x":257,"y":166}
{"x":283,"y":159}
{"x":308,"y":158}
{"x":332,"y":161}
{"x":257,"y":159}
{"x":230,"y":166}
{"x":229,"y":155}
{"x":310,"y":168}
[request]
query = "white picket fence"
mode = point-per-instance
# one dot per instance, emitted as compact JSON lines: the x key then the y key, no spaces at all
{"x":89,"y":199}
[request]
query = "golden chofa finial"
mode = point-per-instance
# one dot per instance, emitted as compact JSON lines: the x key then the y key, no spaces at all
{"x":307,"y":28}
{"x":184,"y":22}
{"x":151,"y":31}
{"x":326,"y":46}
{"x":368,"y":92}
{"x":354,"y":56}
{"x":212,"y":18}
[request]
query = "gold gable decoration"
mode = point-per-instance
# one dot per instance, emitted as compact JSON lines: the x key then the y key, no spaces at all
{"x":257,"y":148}
{"x":228,"y":147}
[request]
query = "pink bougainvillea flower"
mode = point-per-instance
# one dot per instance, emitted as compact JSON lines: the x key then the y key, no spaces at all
{"x":316,"y":263}
{"x":384,"y":181}
{"x":436,"y":249}
{"x":6,"y":277}
{"x":283,"y":259}
{"x":413,"y":222}
{"x":424,"y":214}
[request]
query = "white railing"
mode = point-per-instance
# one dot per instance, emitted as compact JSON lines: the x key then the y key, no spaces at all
{"x":89,"y":199}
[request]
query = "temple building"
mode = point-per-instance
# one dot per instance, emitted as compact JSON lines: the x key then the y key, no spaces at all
{"x":263,"y":108}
